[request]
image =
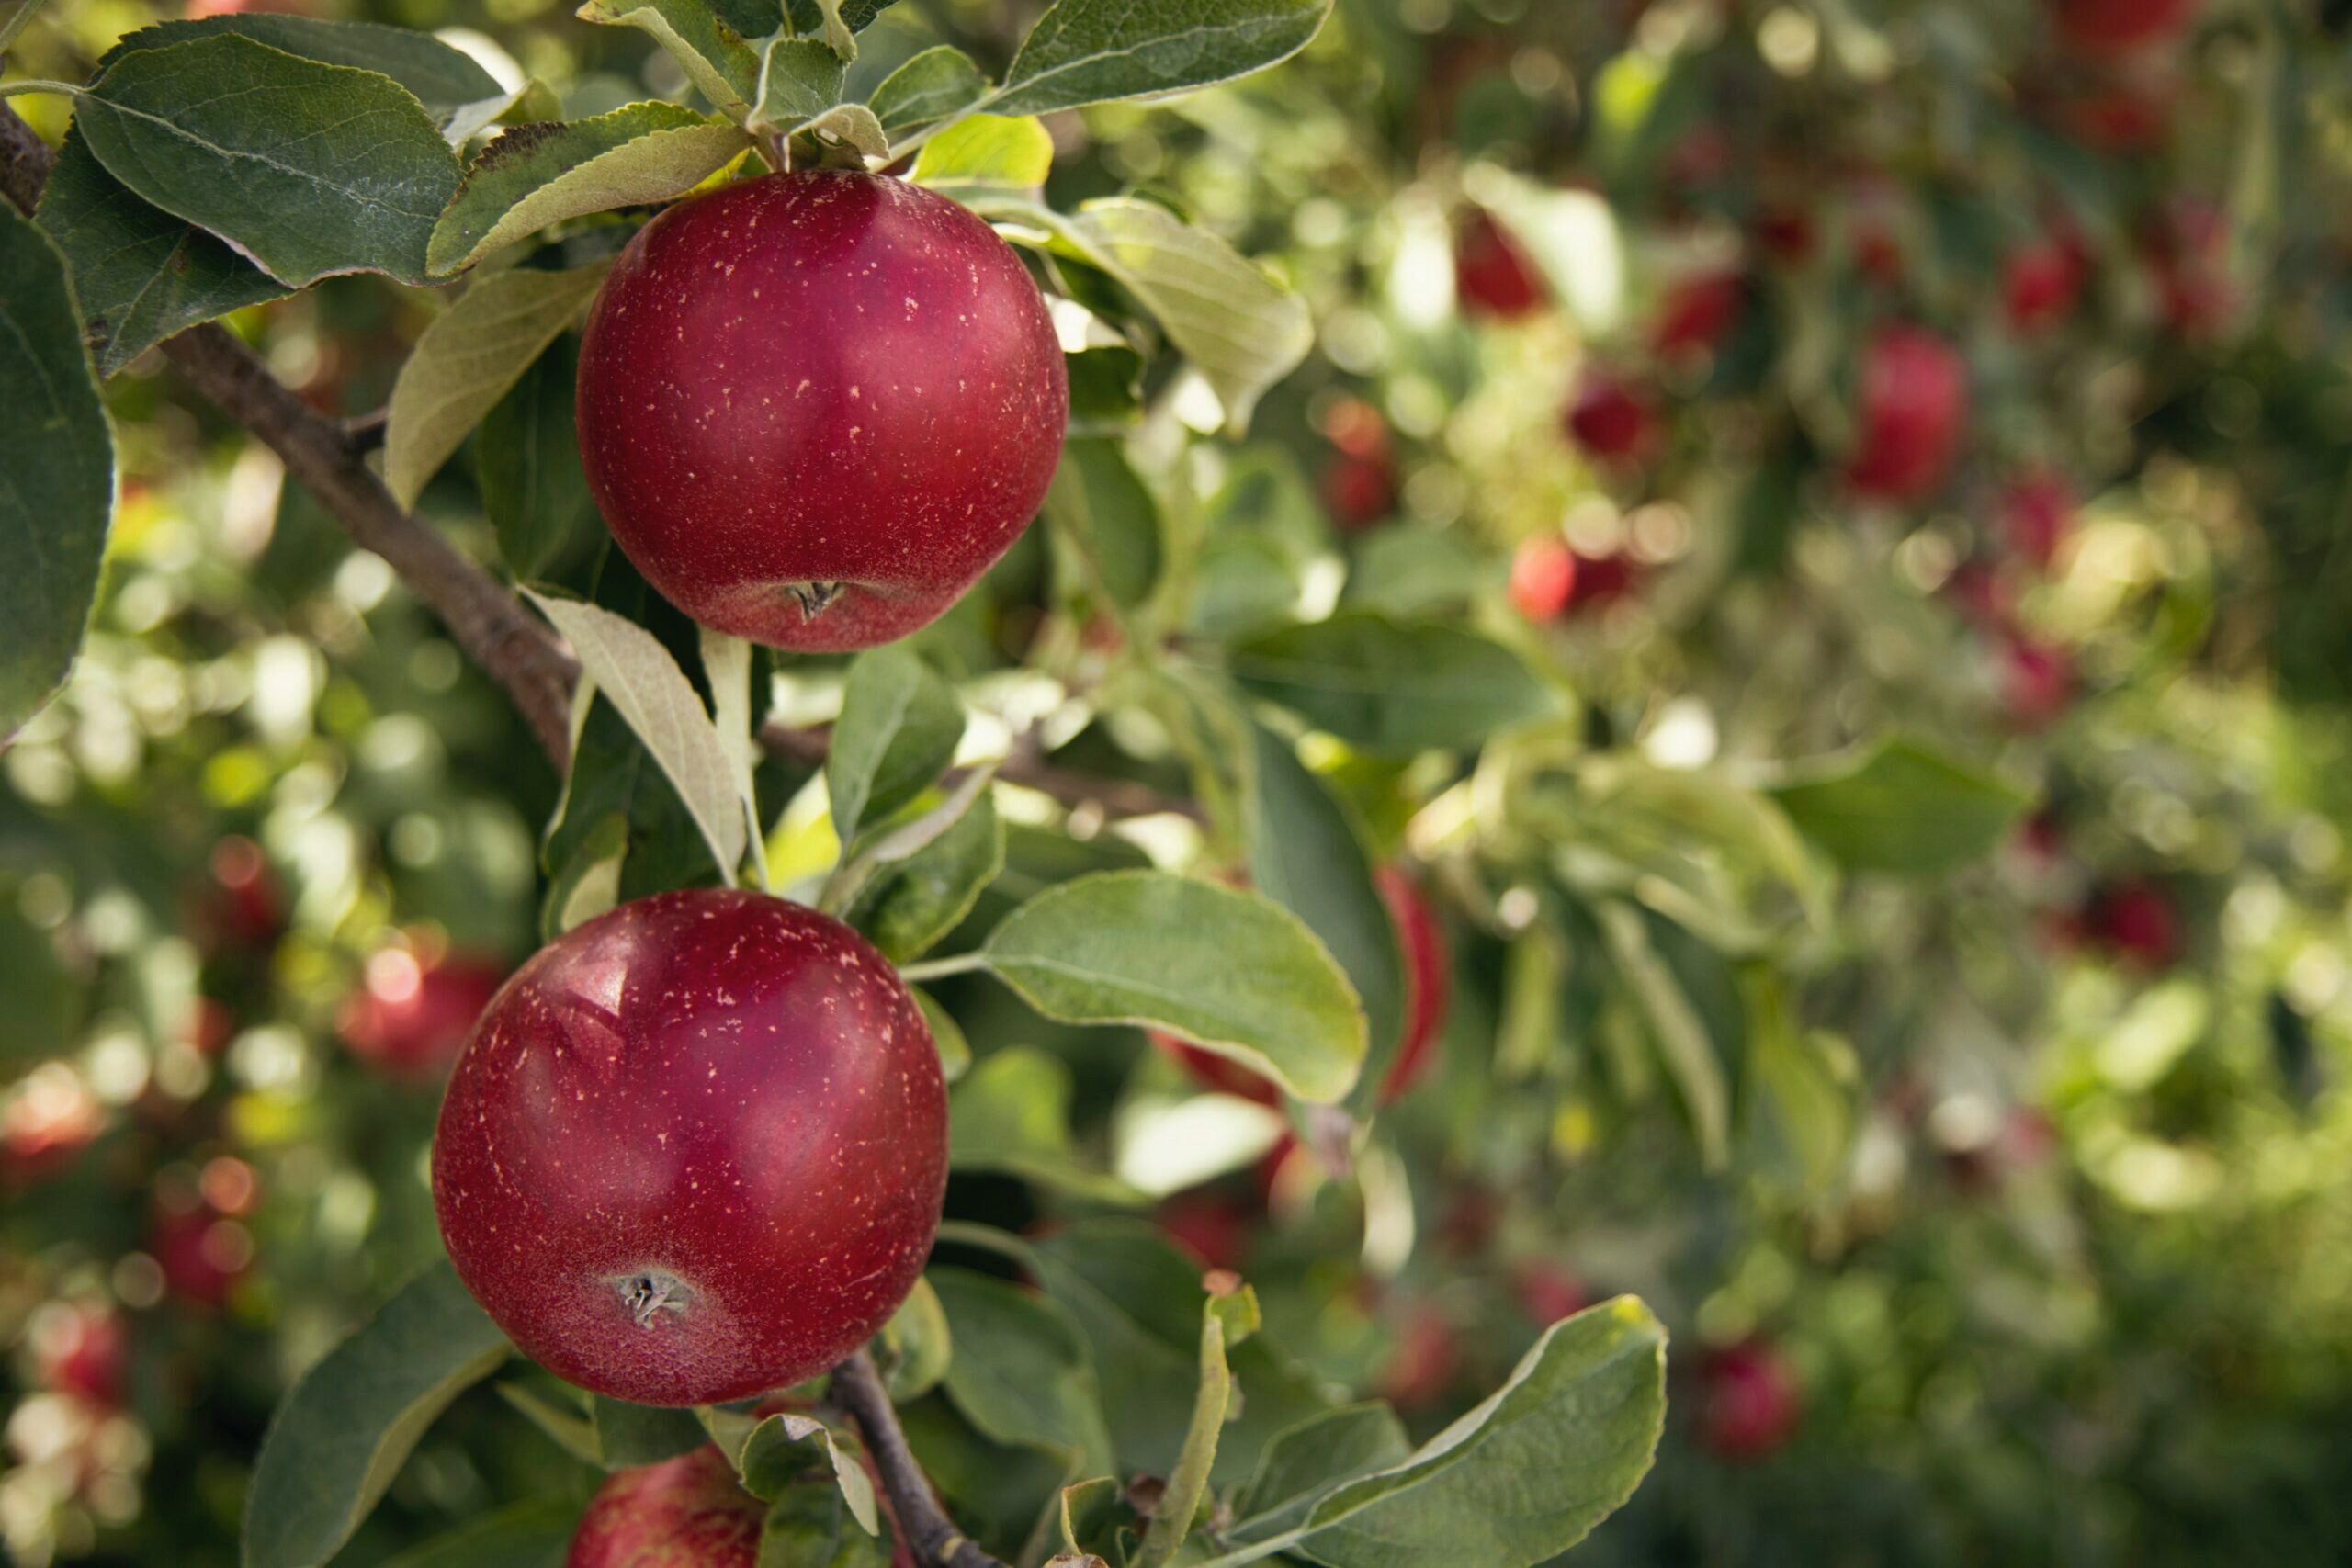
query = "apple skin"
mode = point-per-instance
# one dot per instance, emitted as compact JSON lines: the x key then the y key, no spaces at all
{"x":1429,"y":988}
{"x":1610,"y":420}
{"x":1911,"y":414}
{"x":687,"y":1512}
{"x":814,"y":380}
{"x":707,"y":1096}
{"x":1496,"y":280}
{"x":2116,"y":27}
{"x":1749,"y":1405}
{"x":409,"y":1018}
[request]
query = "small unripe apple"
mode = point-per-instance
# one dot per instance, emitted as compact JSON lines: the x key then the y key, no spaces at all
{"x":815,"y":406}
{"x":411,"y":1015}
{"x":81,"y":1348}
{"x":1610,"y":420}
{"x":1697,"y":312}
{"x":1492,"y":274}
{"x":1911,"y":414}
{"x":1429,"y":985}
{"x":687,"y":1512}
{"x":695,"y":1150}
{"x":2038,"y":511}
{"x":2113,"y":27}
{"x":1749,"y":1405}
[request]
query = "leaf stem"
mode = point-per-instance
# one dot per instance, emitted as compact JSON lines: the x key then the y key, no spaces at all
{"x":1257,"y":1550}
{"x":939,"y":968}
{"x":30,"y":84}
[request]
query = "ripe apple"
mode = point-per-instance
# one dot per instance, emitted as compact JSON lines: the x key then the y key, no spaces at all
{"x":2037,"y":512}
{"x":1610,"y":420}
{"x":2037,"y":680}
{"x":203,"y":1252}
{"x":2114,"y":27}
{"x":1697,"y":312}
{"x":1911,"y":414}
{"x":239,"y":906}
{"x":2042,"y":281}
{"x":1429,"y":987}
{"x":696,"y":1149}
{"x":1360,"y":477}
{"x":687,"y":1512}
{"x":2137,"y":921}
{"x":1492,"y":274}
{"x":410,"y":1016}
{"x":1749,"y":1402}
{"x":1543,"y":578}
{"x":815,"y":406}
{"x":81,"y":1348}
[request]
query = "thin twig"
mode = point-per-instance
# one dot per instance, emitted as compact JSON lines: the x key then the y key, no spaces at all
{"x":857,"y":1388}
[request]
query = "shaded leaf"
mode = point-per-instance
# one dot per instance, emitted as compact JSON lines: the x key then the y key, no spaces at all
{"x":923,"y":897}
{"x":345,"y":1429}
{"x":1087,"y":51}
{"x":528,"y":470}
{"x":536,"y":1534}
{"x":1231,"y":971}
{"x":1021,"y":1373}
{"x":800,"y":78}
{"x":451,"y":85}
{"x":897,"y":732}
{"x":955,"y":1051}
{"x":1100,"y":513}
{"x":631,"y":1435}
{"x":916,"y":1344}
{"x":309,"y":169}
{"x":1302,"y":1462}
{"x":712,"y":54}
{"x":1902,"y":807}
{"x":56,"y":473}
{"x":939,"y":83}
{"x":537,"y":175}
{"x":1010,"y":1113}
{"x":1393,"y":686}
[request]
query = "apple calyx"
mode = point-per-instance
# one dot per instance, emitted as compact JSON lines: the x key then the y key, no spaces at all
{"x":649,"y":1292}
{"x":815,"y":598}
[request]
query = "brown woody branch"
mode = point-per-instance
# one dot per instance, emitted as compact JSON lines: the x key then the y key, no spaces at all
{"x":857,"y":1388}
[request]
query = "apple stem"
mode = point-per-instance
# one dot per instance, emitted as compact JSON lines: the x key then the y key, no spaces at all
{"x":857,"y":1388}
{"x":815,"y":598}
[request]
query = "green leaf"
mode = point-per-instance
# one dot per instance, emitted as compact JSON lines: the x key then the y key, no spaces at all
{"x":955,"y":1051}
{"x":631,"y":1435}
{"x":800,"y":78}
{"x":712,"y":54}
{"x":140,"y":274}
{"x":343,"y":1431}
{"x":1188,"y":1481}
{"x":309,"y":169}
{"x":777,"y":1452}
{"x":916,"y":1345}
{"x":811,"y":1527}
{"x":1394,"y":686}
{"x":631,"y":669}
{"x":855,"y":16}
{"x":839,"y":36}
{"x":1089,"y":52}
{"x":1240,"y":329}
{"x":1305,"y":855}
{"x":537,"y":175}
{"x":456,"y":91}
{"x":56,"y":474}
{"x":851,"y":125}
{"x":897,"y":732}
{"x":564,"y":1425}
{"x":536,"y":1534}
{"x":1022,"y":1373}
{"x":527,"y":467}
{"x":1904,"y":807}
{"x":1105,"y":390}
{"x":1100,"y":513}
{"x":1302,"y":1462}
{"x":914,"y":904}
{"x":1583,"y":1411}
{"x":984,"y":153}
{"x":470,"y":357}
{"x":1010,"y":1113}
{"x":1232,"y":971}
{"x":938,"y":84}
{"x":1696,"y":1041}
{"x":1133,"y":1295}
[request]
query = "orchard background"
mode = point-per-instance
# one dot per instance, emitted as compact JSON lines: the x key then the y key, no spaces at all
{"x":1717,"y":630}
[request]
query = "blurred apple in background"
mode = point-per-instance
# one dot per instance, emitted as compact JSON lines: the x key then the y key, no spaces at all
{"x":411,"y":1014}
{"x":1749,"y":1404}
{"x":1492,"y":274}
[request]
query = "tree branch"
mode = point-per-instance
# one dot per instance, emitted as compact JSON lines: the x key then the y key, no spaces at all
{"x":857,"y":1388}
{"x":487,"y":621}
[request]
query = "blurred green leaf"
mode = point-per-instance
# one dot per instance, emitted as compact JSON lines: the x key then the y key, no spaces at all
{"x":1902,"y":807}
{"x":57,"y":476}
{"x":916,"y":1345}
{"x":536,"y":1534}
{"x":347,"y":1427}
{"x":1393,"y":686}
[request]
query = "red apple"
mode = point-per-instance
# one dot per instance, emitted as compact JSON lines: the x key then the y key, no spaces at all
{"x":1424,"y":1361}
{"x":696,"y":1149}
{"x":1548,"y":1291}
{"x":1749,"y":1402}
{"x":1786,"y":234}
{"x":1492,"y":274}
{"x":2137,"y":921}
{"x":411,"y":1016}
{"x":687,"y":1512}
{"x":1609,"y":420}
{"x":1543,"y":578}
{"x":2188,"y":251}
{"x":2042,"y":281}
{"x":81,"y":1348}
{"x":1360,"y":477}
{"x":2037,"y":512}
{"x":1428,"y":984}
{"x":240,"y":905}
{"x":1213,"y":1230}
{"x":2113,"y":27}
{"x":2037,"y":682}
{"x":52,"y":1117}
{"x":1697,"y":313}
{"x":203,"y":1251}
{"x":1911,"y":414}
{"x":815,"y":406}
